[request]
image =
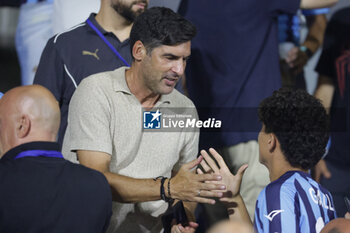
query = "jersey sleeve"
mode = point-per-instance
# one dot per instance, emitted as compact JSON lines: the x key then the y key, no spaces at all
{"x":276,"y":211}
{"x":50,"y":72}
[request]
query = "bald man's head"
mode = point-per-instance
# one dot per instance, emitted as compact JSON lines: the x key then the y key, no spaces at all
{"x":231,"y":227}
{"x":338,"y":225}
{"x":27,"y":113}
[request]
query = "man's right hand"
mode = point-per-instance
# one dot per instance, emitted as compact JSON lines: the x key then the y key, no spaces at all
{"x":186,"y":185}
{"x":321,"y":170}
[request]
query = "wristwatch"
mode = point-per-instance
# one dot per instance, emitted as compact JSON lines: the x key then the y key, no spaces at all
{"x":306,"y":50}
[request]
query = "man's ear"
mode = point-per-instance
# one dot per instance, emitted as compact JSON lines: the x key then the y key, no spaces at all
{"x":23,"y":127}
{"x":138,"y":51}
{"x":272,"y":142}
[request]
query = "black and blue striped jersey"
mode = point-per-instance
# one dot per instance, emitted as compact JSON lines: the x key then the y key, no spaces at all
{"x":293,"y":203}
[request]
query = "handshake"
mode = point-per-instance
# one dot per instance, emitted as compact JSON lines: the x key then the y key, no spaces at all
{"x":212,"y":179}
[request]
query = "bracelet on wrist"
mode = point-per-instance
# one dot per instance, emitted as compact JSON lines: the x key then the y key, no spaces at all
{"x":306,"y":50}
{"x":162,"y":191}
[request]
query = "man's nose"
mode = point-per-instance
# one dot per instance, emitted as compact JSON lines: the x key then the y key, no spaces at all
{"x":179,"y":67}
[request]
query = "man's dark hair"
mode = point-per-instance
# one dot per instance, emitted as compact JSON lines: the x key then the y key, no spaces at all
{"x":300,"y":124}
{"x":161,"y":26}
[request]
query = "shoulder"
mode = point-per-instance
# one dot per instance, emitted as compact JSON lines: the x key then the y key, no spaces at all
{"x":280,"y":189}
{"x":73,"y":33}
{"x":87,"y":176}
{"x":97,"y":82}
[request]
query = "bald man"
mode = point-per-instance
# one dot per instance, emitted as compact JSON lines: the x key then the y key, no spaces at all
{"x":338,"y":225}
{"x":231,"y":227}
{"x":41,"y":191}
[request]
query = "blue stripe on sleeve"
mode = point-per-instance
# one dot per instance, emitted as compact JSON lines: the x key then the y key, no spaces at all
{"x":288,"y":207}
{"x":308,"y":210}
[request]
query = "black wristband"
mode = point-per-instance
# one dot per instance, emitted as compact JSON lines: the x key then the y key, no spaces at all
{"x":306,"y":50}
{"x":162,"y":192}
{"x":169,"y":194}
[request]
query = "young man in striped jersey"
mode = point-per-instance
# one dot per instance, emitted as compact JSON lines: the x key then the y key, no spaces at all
{"x":292,"y":140}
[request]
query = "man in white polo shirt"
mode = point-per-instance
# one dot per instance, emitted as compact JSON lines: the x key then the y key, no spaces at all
{"x":105,"y":130}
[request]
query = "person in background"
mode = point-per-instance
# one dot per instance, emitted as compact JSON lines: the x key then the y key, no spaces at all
{"x":333,"y":90}
{"x":40,"y":190}
{"x":295,"y":53}
{"x":34,"y":28}
{"x":101,"y":43}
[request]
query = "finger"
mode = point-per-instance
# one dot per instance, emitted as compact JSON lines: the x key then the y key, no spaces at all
{"x":175,"y":229}
{"x":193,"y":224}
{"x":218,"y":158}
{"x":215,"y":193}
{"x":199,"y":171}
{"x":193,"y":163}
{"x":181,"y":228}
{"x":208,"y":177}
{"x":210,"y":161}
{"x":205,"y":166}
{"x":204,"y":200}
{"x":242,"y":169}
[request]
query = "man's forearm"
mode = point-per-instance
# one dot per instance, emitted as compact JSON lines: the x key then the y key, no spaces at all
{"x":237,"y":210}
{"x":310,"y":4}
{"x":324,"y":91}
{"x":317,"y":26}
{"x":129,"y":190}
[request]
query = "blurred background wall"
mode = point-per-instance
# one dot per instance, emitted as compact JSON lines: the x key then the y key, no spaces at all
{"x":10,"y":71}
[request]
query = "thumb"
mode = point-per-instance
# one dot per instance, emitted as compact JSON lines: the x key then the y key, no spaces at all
{"x":193,"y":163}
{"x":241,"y":170}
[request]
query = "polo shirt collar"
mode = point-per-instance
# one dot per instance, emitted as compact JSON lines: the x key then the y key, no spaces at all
{"x":39,"y":145}
{"x":95,"y":23}
{"x":120,"y":85}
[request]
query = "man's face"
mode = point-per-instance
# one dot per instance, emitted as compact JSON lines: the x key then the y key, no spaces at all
{"x":164,"y":66}
{"x":7,"y":129}
{"x":129,"y":9}
{"x":263,"y":145}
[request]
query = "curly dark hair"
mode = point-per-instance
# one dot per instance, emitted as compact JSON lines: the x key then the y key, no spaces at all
{"x":300,"y":124}
{"x":161,"y":26}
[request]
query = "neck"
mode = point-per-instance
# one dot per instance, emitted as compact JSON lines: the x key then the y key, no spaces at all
{"x":113,"y":22}
{"x":280,"y":166}
{"x":137,"y":87}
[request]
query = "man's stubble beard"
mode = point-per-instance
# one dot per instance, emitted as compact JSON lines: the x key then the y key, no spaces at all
{"x":126,"y":10}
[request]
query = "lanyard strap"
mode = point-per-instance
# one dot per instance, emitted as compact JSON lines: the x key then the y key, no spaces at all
{"x":41,"y":153}
{"x":107,"y":42}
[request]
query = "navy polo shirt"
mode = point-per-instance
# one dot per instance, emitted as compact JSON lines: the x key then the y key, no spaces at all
{"x":71,"y":56}
{"x":49,"y":194}
{"x":234,"y":63}
{"x":335,"y":64}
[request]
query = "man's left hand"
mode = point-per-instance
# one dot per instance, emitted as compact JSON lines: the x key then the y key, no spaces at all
{"x":296,"y":59}
{"x":191,"y":228}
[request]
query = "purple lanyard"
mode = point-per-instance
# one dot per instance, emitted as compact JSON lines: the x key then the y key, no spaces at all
{"x":40,"y":153}
{"x":107,"y":42}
